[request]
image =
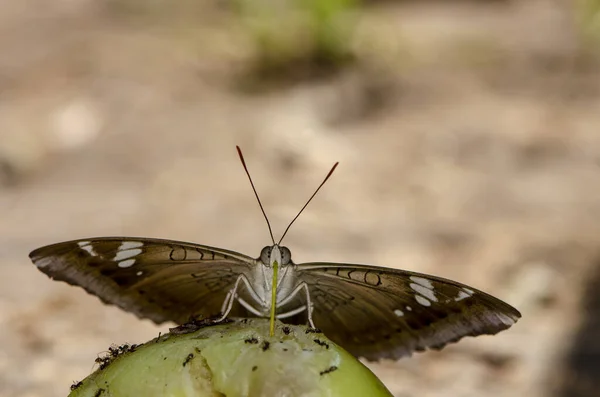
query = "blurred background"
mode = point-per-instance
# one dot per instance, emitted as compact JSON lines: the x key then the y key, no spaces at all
{"x":468,"y":135}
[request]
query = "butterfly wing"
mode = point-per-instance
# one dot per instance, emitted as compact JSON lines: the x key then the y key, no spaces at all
{"x":162,"y":280}
{"x":376,"y":312}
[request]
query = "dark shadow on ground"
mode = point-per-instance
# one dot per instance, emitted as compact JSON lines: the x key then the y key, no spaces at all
{"x":583,"y":361}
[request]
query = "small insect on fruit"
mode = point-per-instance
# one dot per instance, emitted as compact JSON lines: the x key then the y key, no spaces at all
{"x":373,"y":312}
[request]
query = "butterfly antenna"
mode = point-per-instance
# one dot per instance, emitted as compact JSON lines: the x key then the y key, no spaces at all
{"x":255,"y":193}
{"x":305,"y":205}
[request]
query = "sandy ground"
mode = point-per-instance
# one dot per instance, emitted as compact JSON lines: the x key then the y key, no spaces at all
{"x":468,"y":148}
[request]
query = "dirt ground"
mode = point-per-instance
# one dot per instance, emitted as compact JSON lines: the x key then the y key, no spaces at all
{"x":469,"y":148}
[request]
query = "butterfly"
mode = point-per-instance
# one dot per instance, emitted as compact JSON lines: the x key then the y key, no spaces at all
{"x":372,"y":312}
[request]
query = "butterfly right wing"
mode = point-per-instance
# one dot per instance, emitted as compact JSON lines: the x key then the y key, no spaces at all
{"x":375,"y":312}
{"x":162,"y":280}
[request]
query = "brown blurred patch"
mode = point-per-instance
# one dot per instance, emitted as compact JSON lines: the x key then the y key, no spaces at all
{"x":581,"y":377}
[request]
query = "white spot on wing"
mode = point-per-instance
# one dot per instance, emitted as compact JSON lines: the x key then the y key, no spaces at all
{"x":126,"y":263}
{"x":422,"y":281}
{"x":468,"y":291}
{"x":127,"y":253}
{"x":461,"y":295}
{"x":87,"y":246}
{"x":139,"y":273}
{"x":422,"y":301}
{"x":127,"y":245}
{"x":409,"y":308}
{"x":398,"y":313}
{"x":426,"y":292}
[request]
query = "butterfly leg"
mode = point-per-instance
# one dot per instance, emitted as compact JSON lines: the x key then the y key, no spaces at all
{"x":292,"y":312}
{"x":250,"y":308}
{"x":232,"y":296}
{"x":308,"y":307}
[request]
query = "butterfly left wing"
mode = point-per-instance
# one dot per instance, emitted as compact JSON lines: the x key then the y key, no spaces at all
{"x":162,"y":280}
{"x":376,"y":312}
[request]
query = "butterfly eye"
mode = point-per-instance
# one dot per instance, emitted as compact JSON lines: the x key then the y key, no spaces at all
{"x":265,"y":255}
{"x":286,"y":256}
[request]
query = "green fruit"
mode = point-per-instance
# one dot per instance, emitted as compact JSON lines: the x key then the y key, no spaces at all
{"x":235,"y":359}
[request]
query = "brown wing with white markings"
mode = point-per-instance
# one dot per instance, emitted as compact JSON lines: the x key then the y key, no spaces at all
{"x":376,"y":312}
{"x":161,"y":280}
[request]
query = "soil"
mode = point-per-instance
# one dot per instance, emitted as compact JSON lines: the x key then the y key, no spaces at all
{"x":469,"y":148}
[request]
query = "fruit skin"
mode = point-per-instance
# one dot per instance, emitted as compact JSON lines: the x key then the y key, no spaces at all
{"x":233,"y":359}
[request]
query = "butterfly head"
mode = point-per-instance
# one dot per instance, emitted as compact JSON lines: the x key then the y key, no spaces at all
{"x":272,"y":253}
